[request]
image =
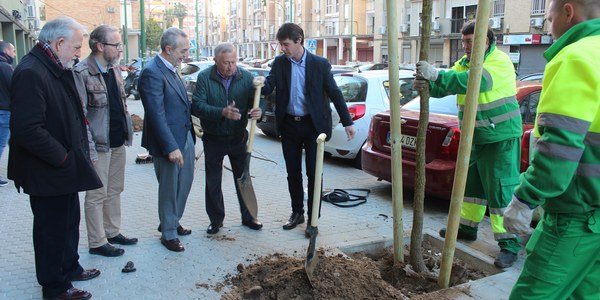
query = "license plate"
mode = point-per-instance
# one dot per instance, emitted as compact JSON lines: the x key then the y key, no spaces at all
{"x":406,"y":141}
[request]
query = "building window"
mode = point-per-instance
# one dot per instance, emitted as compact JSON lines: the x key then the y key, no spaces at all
{"x":332,"y":7}
{"x":498,"y":8}
{"x":257,"y":19}
{"x":256,"y":4}
{"x":538,"y":7}
{"x":370,"y":23}
{"x":370,"y":5}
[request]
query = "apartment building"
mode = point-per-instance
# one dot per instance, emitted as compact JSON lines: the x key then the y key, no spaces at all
{"x":19,"y":24}
{"x":348,"y":31}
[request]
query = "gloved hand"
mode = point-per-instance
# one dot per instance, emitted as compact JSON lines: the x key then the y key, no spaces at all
{"x":426,"y":71}
{"x":517,"y":217}
{"x":258,"y":81}
{"x":420,"y":85}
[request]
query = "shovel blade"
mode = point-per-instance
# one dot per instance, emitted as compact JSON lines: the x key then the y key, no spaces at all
{"x":244,"y":184}
{"x":312,"y":259}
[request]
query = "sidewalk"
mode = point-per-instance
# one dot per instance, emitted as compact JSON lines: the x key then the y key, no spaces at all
{"x":162,"y":274}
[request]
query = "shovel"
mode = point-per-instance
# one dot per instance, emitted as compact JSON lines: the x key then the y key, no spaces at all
{"x":244,"y":183}
{"x":311,"y":255}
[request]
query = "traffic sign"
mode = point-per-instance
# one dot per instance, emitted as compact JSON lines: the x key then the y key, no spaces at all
{"x":311,"y":45}
{"x":192,"y":44}
{"x":274,"y":46}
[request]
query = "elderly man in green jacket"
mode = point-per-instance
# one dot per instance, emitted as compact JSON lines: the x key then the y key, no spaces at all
{"x":223,"y":101}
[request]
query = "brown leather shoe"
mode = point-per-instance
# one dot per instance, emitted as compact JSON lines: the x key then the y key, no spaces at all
{"x":180,"y":230}
{"x":173,"y":245}
{"x":86,"y":275}
{"x":72,"y":294}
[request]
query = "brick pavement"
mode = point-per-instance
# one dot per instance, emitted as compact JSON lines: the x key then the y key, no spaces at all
{"x":162,"y":274}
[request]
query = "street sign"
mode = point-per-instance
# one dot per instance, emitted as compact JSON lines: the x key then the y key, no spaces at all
{"x":274,"y":46}
{"x":311,"y":45}
{"x":192,"y":44}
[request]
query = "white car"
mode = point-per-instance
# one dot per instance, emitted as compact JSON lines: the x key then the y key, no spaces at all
{"x":189,"y":71}
{"x":366,"y":94}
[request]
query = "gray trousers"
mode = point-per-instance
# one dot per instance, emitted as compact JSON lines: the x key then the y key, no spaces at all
{"x":174,"y":184}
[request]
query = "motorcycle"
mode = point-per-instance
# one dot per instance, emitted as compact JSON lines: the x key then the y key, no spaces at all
{"x":131,"y":82}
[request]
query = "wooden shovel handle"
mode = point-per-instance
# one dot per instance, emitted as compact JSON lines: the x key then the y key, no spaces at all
{"x":314,"y":219}
{"x":253,"y":122}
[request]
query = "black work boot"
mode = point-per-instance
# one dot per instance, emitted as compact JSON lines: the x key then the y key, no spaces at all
{"x":505,"y":259}
{"x":461,"y":235}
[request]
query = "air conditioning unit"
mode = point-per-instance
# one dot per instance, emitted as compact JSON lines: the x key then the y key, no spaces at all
{"x":382,"y":29}
{"x":435,"y":25}
{"x":536,"y":22}
{"x":404,"y":27}
{"x":110,"y":10}
{"x":495,"y":23}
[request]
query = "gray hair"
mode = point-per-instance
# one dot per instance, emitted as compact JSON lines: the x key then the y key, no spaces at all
{"x":169,"y":37}
{"x":98,"y":36}
{"x":63,"y":27}
{"x":4,"y":45}
{"x":224,"y":48}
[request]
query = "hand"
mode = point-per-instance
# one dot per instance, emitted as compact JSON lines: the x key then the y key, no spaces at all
{"x":517,"y":217}
{"x":258,"y":81}
{"x":426,"y":71}
{"x":420,"y":85}
{"x":176,"y":157}
{"x":350,"y":131}
{"x":255,"y":113}
{"x":231,"y":112}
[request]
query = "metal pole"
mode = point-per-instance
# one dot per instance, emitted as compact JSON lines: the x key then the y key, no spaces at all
{"x":143,"y":31}
{"x":197,"y":37}
{"x":466,"y":140}
{"x":291,"y":12}
{"x":392,"y":27}
{"x":125,"y":37}
{"x":352,"y":43}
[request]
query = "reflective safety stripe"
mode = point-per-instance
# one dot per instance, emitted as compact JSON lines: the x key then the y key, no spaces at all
{"x":469,"y":223}
{"x":563,"y":122}
{"x":492,"y":105}
{"x":497,"y":211}
{"x":592,"y":139}
{"x":488,"y":78}
{"x":497,"y":119}
{"x":477,"y":201}
{"x":504,"y":236}
{"x":588,"y":170}
{"x":497,"y":223}
{"x":559,"y":151}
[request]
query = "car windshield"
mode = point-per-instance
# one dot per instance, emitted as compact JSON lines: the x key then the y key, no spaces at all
{"x":353,"y":88}
{"x":445,"y":105}
{"x":406,"y":90}
{"x":189,"y":69}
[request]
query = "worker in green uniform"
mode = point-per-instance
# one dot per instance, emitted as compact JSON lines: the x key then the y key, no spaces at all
{"x":563,"y":253}
{"x":494,"y":165}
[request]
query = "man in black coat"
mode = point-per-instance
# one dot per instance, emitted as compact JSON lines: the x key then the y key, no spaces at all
{"x":49,"y":155}
{"x":7,"y":55}
{"x":304,"y":83}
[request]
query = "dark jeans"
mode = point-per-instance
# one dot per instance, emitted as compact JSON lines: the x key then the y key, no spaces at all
{"x":215,"y":149}
{"x":55,"y":240}
{"x":296,"y":136}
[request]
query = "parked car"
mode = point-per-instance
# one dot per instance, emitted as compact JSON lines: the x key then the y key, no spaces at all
{"x":365,"y":94}
{"x":538,"y":76}
{"x":442,"y":140}
{"x":190,"y":70}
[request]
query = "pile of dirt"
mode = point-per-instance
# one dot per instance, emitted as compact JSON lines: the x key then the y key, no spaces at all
{"x":361,"y":276}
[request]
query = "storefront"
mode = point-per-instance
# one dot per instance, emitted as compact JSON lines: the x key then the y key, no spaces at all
{"x":526,"y":51}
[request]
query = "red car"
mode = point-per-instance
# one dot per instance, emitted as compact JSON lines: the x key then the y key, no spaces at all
{"x":442,"y":140}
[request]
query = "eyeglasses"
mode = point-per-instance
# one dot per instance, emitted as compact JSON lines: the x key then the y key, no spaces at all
{"x":117,"y":45}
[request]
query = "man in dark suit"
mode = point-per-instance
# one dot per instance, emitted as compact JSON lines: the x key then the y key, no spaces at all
{"x":168,"y":133}
{"x":49,"y":155}
{"x":304,"y":83}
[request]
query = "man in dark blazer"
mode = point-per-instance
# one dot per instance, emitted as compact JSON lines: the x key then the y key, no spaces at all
{"x":168,"y":133}
{"x":49,"y":155}
{"x":304,"y":86}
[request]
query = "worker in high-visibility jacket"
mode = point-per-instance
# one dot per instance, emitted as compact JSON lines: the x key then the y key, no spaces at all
{"x":494,"y":164}
{"x":563,"y":253}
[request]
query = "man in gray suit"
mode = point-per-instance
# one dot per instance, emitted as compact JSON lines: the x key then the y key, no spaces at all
{"x":168,"y":134}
